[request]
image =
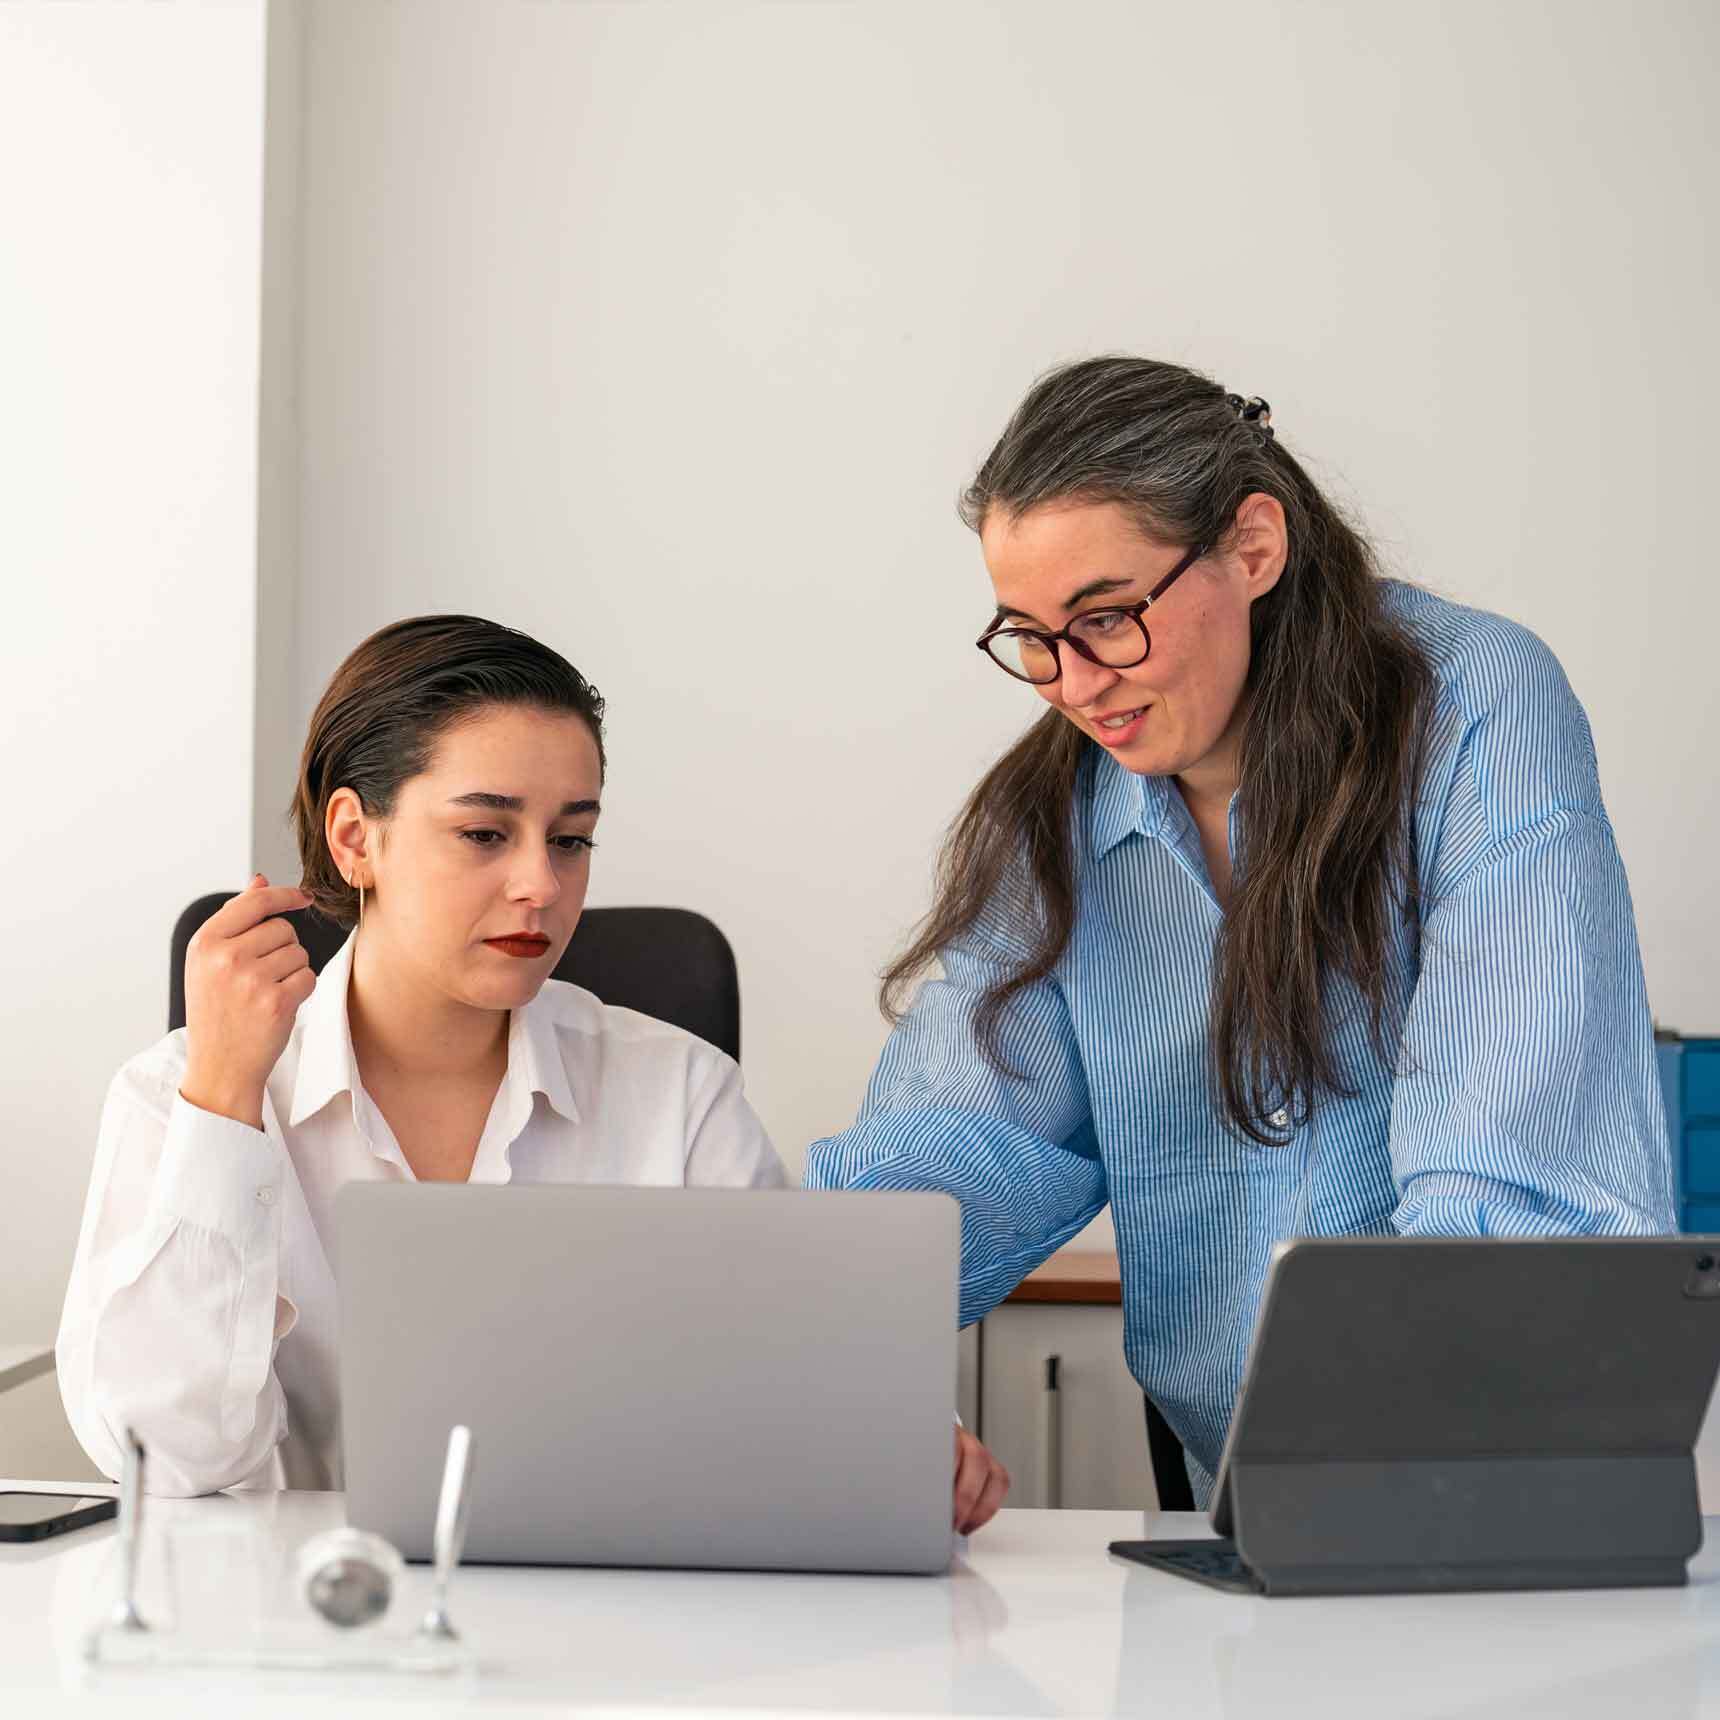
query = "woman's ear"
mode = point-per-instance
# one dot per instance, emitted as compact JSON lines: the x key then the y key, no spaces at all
{"x":348,"y":837}
{"x":1262,"y":542}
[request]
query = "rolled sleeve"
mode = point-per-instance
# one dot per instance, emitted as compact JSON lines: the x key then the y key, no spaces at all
{"x":172,"y":1315}
{"x":217,"y":1173}
{"x":1527,"y":1102}
{"x":1016,"y":1150}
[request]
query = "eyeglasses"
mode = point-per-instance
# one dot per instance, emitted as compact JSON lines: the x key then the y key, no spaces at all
{"x":1112,"y":638}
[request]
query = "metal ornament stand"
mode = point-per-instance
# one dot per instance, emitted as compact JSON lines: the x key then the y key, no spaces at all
{"x":312,"y":1617}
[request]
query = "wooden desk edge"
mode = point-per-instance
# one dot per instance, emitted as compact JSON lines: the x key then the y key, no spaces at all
{"x":1075,"y":1276}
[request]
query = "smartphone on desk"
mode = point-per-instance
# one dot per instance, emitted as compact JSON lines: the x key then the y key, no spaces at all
{"x":36,"y":1516}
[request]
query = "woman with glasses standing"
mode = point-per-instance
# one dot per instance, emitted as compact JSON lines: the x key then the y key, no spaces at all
{"x":1296,"y":912}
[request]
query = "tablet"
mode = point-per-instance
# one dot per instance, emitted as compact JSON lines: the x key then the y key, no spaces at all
{"x":1451,"y":1413}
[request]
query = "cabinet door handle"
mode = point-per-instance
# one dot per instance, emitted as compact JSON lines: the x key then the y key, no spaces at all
{"x":1051,"y":1436}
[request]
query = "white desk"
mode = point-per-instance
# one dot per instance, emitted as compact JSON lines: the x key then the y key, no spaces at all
{"x":1036,"y":1619}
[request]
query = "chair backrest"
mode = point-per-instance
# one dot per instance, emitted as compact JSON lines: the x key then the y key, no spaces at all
{"x":666,"y":962}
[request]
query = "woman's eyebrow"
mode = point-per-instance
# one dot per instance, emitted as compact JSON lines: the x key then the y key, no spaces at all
{"x":515,"y":803}
{"x":1093,"y":588}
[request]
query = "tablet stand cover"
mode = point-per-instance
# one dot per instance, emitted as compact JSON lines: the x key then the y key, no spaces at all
{"x":1474,"y":1414}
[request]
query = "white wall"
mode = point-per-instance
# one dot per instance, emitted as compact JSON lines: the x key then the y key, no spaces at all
{"x":130,"y":151}
{"x":278,"y":731}
{"x":566,"y":310}
{"x":705,"y":311}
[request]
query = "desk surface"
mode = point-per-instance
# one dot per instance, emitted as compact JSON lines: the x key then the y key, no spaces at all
{"x":1035,"y":1619}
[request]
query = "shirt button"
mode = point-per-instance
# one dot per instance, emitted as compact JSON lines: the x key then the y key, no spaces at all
{"x":266,"y":1196}
{"x":1279,"y":1119}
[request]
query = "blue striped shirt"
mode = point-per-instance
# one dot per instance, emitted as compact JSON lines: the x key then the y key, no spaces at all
{"x":1520,"y":1095}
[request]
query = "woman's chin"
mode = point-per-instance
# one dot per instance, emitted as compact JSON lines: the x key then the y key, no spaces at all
{"x":504,"y":990}
{"x":1145,"y":758}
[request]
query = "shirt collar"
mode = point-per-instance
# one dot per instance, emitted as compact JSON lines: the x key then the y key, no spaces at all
{"x":534,"y":1050}
{"x":327,"y":1066}
{"x":1123,"y":805}
{"x":325,"y":1043}
{"x":534,"y":1066}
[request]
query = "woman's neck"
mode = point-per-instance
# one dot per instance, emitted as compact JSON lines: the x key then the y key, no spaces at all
{"x":400,"y":1030}
{"x":1208,"y":785}
{"x":1207,"y":788}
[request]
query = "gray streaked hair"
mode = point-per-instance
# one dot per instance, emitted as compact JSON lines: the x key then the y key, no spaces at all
{"x":1331,"y":744}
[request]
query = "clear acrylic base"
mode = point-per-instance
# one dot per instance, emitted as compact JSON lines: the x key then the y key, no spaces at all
{"x":282,"y":1646}
{"x":218,"y":1591}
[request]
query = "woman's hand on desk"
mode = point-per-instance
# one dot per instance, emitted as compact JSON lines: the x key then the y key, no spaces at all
{"x":246,"y":973}
{"x":981,"y":1484}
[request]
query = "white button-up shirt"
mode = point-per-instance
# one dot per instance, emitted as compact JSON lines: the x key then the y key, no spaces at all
{"x":202,"y":1307}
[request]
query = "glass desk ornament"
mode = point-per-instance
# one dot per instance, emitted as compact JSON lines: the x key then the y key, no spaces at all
{"x":224,"y":1595}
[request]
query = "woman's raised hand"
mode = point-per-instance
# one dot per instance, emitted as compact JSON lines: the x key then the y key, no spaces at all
{"x":246,"y":973}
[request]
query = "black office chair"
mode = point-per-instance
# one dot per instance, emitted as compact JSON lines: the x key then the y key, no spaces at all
{"x":666,"y":962}
{"x":1165,"y":1451}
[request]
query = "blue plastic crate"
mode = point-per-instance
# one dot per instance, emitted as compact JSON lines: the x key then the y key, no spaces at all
{"x":1702,"y":1081}
{"x":1690,"y":1087}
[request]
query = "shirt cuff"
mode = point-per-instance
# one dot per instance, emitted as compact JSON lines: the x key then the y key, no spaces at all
{"x":221,"y":1175}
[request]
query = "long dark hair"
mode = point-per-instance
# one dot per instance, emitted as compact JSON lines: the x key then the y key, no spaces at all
{"x":378,"y":721}
{"x":1330,"y":743}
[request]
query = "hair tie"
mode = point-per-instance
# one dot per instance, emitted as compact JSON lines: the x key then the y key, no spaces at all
{"x":1253,"y":411}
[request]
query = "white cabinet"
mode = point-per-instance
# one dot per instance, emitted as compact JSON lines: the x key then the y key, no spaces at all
{"x":967,"y":1377}
{"x":1060,"y":1409}
{"x":1043,"y":1382}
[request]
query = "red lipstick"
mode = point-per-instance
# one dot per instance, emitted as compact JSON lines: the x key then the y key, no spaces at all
{"x":523,"y":946}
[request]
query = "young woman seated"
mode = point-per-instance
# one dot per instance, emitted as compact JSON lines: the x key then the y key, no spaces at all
{"x":446,"y":806}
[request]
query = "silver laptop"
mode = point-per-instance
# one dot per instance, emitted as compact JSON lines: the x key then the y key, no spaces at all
{"x":728,"y":1379}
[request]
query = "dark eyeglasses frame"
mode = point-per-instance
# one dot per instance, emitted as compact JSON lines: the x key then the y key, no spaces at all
{"x":1134,"y":611}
